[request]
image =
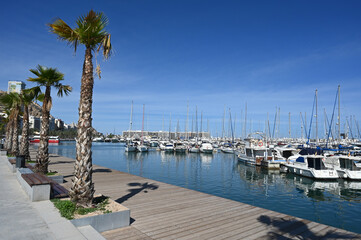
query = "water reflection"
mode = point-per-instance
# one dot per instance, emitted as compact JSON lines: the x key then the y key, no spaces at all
{"x":335,"y":203}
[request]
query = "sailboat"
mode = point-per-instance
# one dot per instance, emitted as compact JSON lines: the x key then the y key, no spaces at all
{"x":130,"y":146}
{"x":141,"y":147}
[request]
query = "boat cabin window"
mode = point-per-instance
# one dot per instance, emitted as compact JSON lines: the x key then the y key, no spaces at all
{"x":262,"y":153}
{"x":344,"y":163}
{"x":249,"y":152}
{"x":287,"y":153}
{"x":315,"y":163}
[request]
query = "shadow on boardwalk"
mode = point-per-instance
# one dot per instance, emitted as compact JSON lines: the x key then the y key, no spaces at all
{"x":134,"y":191}
{"x":296,"y":229}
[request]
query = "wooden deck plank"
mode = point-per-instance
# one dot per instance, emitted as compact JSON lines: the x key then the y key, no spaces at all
{"x":164,"y":211}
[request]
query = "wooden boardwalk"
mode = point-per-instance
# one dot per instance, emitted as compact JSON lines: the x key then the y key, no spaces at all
{"x":164,"y":211}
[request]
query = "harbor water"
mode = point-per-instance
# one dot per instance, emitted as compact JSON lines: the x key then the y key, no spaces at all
{"x":335,"y":203}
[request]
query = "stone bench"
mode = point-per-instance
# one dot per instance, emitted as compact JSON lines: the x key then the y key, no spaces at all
{"x":58,"y":191}
{"x":11,"y":164}
{"x":36,"y":186}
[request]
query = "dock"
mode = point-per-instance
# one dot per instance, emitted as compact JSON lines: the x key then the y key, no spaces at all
{"x":164,"y":211}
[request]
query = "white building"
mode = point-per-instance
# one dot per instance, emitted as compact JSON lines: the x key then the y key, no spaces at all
{"x":16,"y":86}
{"x":35,"y":122}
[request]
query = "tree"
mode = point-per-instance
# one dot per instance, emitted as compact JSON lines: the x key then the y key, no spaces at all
{"x":91,"y":33}
{"x":27,"y":96}
{"x":48,"y":78}
{"x":12,"y":102}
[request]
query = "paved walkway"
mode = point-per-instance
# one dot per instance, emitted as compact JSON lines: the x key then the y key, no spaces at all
{"x":18,"y":218}
{"x":22,"y":219}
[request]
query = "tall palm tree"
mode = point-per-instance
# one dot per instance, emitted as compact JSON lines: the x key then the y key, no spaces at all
{"x":27,"y":97}
{"x":48,"y":78}
{"x":12,"y":101}
{"x":90,"y":32}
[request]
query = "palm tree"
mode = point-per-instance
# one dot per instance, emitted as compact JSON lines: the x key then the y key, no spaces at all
{"x":12,"y":101}
{"x":48,"y":78}
{"x":91,"y":33}
{"x":27,"y":97}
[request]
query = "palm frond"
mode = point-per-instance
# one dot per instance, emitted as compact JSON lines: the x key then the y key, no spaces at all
{"x":41,"y":97}
{"x":64,"y":32}
{"x":63,"y":89}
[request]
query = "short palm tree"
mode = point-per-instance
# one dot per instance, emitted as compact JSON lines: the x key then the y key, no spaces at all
{"x":12,"y":101}
{"x":48,"y":78}
{"x":27,"y":97}
{"x":90,"y":32}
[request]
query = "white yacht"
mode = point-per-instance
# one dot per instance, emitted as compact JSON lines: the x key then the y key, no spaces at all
{"x":179,"y":147}
{"x":345,"y":166}
{"x":194,"y":148}
{"x":206,"y":148}
{"x":312,"y":166}
{"x":254,"y":154}
{"x":130,"y":147}
{"x":166,"y":146}
{"x":142,"y":148}
{"x":227,"y":150}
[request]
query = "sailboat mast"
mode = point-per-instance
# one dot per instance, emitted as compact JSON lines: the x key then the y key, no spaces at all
{"x":186,"y":130}
{"x":201,"y":124}
{"x":289,"y":124}
{"x":170,"y":126}
{"x":142,"y":140}
{"x":339,"y":115}
{"x":316,"y":119}
{"x":234,"y":124}
{"x":196,"y":123}
{"x":224,"y":115}
{"x":131,"y":119}
{"x":301,"y":125}
{"x":245,"y":121}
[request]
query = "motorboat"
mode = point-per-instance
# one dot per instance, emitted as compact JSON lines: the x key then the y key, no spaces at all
{"x":166,"y":146}
{"x":206,"y":147}
{"x":179,"y":147}
{"x":345,"y":166}
{"x":130,"y":147}
{"x":312,"y":166}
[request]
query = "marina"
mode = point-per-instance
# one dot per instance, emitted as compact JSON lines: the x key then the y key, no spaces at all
{"x":334,"y":203}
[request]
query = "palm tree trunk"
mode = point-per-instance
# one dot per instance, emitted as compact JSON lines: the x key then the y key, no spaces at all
{"x":82,"y":190}
{"x":15,"y":139}
{"x":24,"y":144}
{"x":42,"y":160}
{"x":9,"y":135}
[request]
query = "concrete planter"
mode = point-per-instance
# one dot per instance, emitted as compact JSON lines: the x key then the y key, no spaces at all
{"x":106,"y":221}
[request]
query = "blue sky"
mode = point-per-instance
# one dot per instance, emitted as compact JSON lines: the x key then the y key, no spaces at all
{"x":270,"y":54}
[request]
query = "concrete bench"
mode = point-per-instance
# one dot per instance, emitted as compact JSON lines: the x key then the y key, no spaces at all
{"x":11,"y":164}
{"x":36,"y":186}
{"x":58,"y":191}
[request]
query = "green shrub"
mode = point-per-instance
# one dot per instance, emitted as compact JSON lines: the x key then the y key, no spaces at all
{"x":51,"y":173}
{"x":84,"y":211}
{"x":66,"y":208}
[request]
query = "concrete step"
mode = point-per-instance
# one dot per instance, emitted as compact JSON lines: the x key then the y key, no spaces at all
{"x":90,"y":233}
